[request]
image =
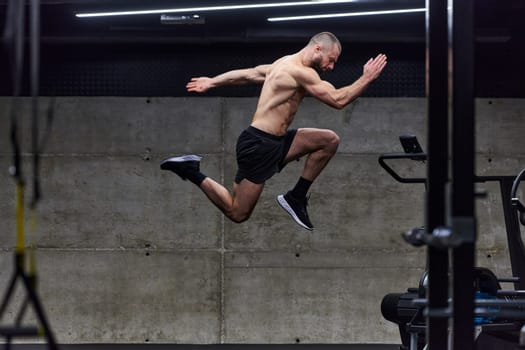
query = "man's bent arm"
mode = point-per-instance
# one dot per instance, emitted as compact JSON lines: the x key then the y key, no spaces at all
{"x":339,"y":98}
{"x":233,"y":77}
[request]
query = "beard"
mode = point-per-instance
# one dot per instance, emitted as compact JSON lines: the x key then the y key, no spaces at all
{"x":316,"y":64}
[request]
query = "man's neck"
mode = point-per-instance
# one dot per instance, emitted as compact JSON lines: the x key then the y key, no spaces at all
{"x":306,"y":56}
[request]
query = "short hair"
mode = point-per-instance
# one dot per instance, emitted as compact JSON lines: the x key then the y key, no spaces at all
{"x":325,"y":38}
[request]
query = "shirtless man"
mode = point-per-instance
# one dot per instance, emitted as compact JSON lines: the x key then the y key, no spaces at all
{"x":267,"y":145}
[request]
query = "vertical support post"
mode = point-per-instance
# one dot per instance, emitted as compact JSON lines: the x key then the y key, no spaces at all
{"x":463,"y":168}
{"x":35,"y":92}
{"x":437,"y":170}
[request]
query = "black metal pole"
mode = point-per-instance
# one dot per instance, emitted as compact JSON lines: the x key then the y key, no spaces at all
{"x":463,"y":164}
{"x":14,"y":36}
{"x":35,"y":91}
{"x":437,"y":170}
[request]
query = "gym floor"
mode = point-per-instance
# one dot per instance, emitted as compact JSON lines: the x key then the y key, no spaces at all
{"x":209,"y":347}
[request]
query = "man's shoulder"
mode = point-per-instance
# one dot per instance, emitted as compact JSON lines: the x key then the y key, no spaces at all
{"x":293,"y":67}
{"x":302,"y":73}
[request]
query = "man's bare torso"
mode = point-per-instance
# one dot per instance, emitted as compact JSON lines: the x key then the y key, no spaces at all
{"x":280,"y":96}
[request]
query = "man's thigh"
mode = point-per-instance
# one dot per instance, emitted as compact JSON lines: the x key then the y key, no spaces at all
{"x":306,"y":141}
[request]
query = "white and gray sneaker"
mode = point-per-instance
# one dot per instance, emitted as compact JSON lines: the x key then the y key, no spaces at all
{"x":182,"y":165}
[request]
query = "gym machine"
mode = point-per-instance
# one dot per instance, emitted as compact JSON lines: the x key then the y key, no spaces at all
{"x":499,"y":315}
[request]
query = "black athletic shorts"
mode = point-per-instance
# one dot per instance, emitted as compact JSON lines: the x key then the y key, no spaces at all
{"x":260,"y":155}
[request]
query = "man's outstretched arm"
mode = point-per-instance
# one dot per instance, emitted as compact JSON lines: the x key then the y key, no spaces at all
{"x":233,"y":77}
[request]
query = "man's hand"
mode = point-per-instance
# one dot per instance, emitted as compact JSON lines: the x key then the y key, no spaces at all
{"x":374,"y":66}
{"x":200,"y":84}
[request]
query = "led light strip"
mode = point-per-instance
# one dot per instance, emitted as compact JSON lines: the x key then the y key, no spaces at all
{"x":212,"y":8}
{"x":347,"y":14}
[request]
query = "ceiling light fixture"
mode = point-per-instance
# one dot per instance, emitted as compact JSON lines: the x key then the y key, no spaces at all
{"x":347,"y":14}
{"x":178,"y":19}
{"x":212,"y":8}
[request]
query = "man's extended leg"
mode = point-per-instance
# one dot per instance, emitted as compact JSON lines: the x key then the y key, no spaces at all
{"x":237,"y":206}
{"x":320,"y":145}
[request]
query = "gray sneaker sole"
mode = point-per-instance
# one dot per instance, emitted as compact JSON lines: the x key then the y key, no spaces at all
{"x":186,"y":158}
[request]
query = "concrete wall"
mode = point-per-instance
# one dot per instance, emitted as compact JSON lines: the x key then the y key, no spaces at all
{"x":129,"y":253}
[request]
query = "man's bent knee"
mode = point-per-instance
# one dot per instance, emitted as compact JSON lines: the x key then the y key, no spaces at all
{"x":238,"y":217}
{"x":332,"y":140}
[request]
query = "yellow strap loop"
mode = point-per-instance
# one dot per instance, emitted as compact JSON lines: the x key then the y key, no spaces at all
{"x":20,"y":240}
{"x":32,"y":230}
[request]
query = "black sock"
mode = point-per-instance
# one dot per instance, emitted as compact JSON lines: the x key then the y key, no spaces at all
{"x":196,"y":177}
{"x":301,"y":188}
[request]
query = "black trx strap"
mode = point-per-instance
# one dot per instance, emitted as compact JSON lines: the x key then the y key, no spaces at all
{"x":14,"y":39}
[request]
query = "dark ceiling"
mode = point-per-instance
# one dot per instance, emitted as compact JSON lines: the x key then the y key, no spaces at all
{"x":249,"y":25}
{"x":496,"y":20}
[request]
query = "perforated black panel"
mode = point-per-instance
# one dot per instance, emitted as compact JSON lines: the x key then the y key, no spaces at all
{"x":164,"y":70}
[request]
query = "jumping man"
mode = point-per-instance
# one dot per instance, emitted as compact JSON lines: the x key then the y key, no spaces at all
{"x":267,"y":145}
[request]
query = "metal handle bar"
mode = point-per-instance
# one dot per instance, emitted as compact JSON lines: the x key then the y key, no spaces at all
{"x":515,"y":200}
{"x":392,"y":172}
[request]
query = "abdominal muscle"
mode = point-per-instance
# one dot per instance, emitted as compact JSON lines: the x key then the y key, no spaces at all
{"x":274,"y":121}
{"x":279,"y":101}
